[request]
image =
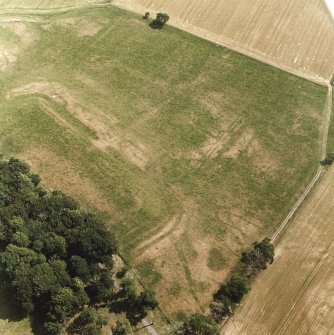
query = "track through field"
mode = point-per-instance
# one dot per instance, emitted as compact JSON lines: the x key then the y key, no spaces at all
{"x":326,"y":121}
{"x":295,"y":292}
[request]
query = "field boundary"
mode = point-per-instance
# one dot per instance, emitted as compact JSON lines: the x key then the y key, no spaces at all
{"x":177,"y":25}
{"x":321,"y":169}
{"x":183,"y":26}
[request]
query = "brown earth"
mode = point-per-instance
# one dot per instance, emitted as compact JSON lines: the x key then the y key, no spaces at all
{"x":94,"y":119}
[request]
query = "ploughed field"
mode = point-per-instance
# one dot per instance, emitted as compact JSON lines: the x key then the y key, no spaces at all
{"x":189,"y":150}
{"x":296,"y":35}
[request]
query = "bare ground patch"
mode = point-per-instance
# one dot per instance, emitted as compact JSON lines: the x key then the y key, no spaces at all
{"x":107,"y":136}
{"x":9,"y":52}
{"x":240,"y":144}
{"x":80,"y":26}
{"x":7,"y":56}
{"x":22,"y":30}
{"x":59,"y":173}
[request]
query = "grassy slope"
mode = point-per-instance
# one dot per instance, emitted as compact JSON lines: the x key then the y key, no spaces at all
{"x":171,"y":92}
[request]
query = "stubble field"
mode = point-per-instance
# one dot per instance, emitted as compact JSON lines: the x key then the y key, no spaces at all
{"x":189,"y":150}
{"x":295,"y":293}
{"x":293,"y":35}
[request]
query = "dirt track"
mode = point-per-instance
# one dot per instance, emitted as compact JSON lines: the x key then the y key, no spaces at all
{"x":295,"y":293}
{"x":243,"y":332}
{"x":326,"y":121}
{"x":294,"y":36}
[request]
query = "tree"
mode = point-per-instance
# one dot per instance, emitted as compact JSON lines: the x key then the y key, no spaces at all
{"x":11,"y":226}
{"x":200,"y":324}
{"x":59,"y":268}
{"x":54,"y":245}
{"x":146,"y":302}
{"x":129,"y":290}
{"x":146,"y":16}
{"x":219,"y":310}
{"x":160,"y":20}
{"x":51,"y":328}
{"x":122,"y":328}
{"x":79,"y":268}
{"x":35,"y":178}
{"x":258,"y":258}
{"x":102,"y":290}
{"x":20,"y":239}
{"x":61,"y":304}
{"x":89,"y":322}
{"x":235,"y":289}
{"x":43,"y":279}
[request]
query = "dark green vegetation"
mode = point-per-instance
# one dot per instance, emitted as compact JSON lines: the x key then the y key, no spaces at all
{"x":328,"y":160}
{"x":159,"y":21}
{"x":238,"y":285}
{"x":56,"y":258}
{"x":156,"y":129}
{"x":216,"y":260}
{"x":199,"y":324}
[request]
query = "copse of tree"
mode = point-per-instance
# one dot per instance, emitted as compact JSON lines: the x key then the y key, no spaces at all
{"x":54,"y":256}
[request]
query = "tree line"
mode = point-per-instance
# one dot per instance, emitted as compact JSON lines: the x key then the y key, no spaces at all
{"x":232,"y":291}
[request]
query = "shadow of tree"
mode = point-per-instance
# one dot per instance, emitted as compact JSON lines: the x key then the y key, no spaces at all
{"x":122,"y":306}
{"x":155,"y":24}
{"x":9,"y":309}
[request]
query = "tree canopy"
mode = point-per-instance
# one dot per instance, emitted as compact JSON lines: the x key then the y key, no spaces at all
{"x":50,"y":249}
{"x":160,"y":20}
{"x":199,"y":324}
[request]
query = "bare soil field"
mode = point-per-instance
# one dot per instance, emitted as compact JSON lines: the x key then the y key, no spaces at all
{"x":294,"y":35}
{"x":295,"y":294}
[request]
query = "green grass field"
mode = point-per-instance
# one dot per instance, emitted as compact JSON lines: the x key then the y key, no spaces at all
{"x":189,"y":150}
{"x":44,"y":4}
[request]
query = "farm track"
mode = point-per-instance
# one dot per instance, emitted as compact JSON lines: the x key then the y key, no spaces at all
{"x":294,"y":293}
{"x":317,"y":80}
{"x":326,"y":121}
{"x":238,"y":325}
